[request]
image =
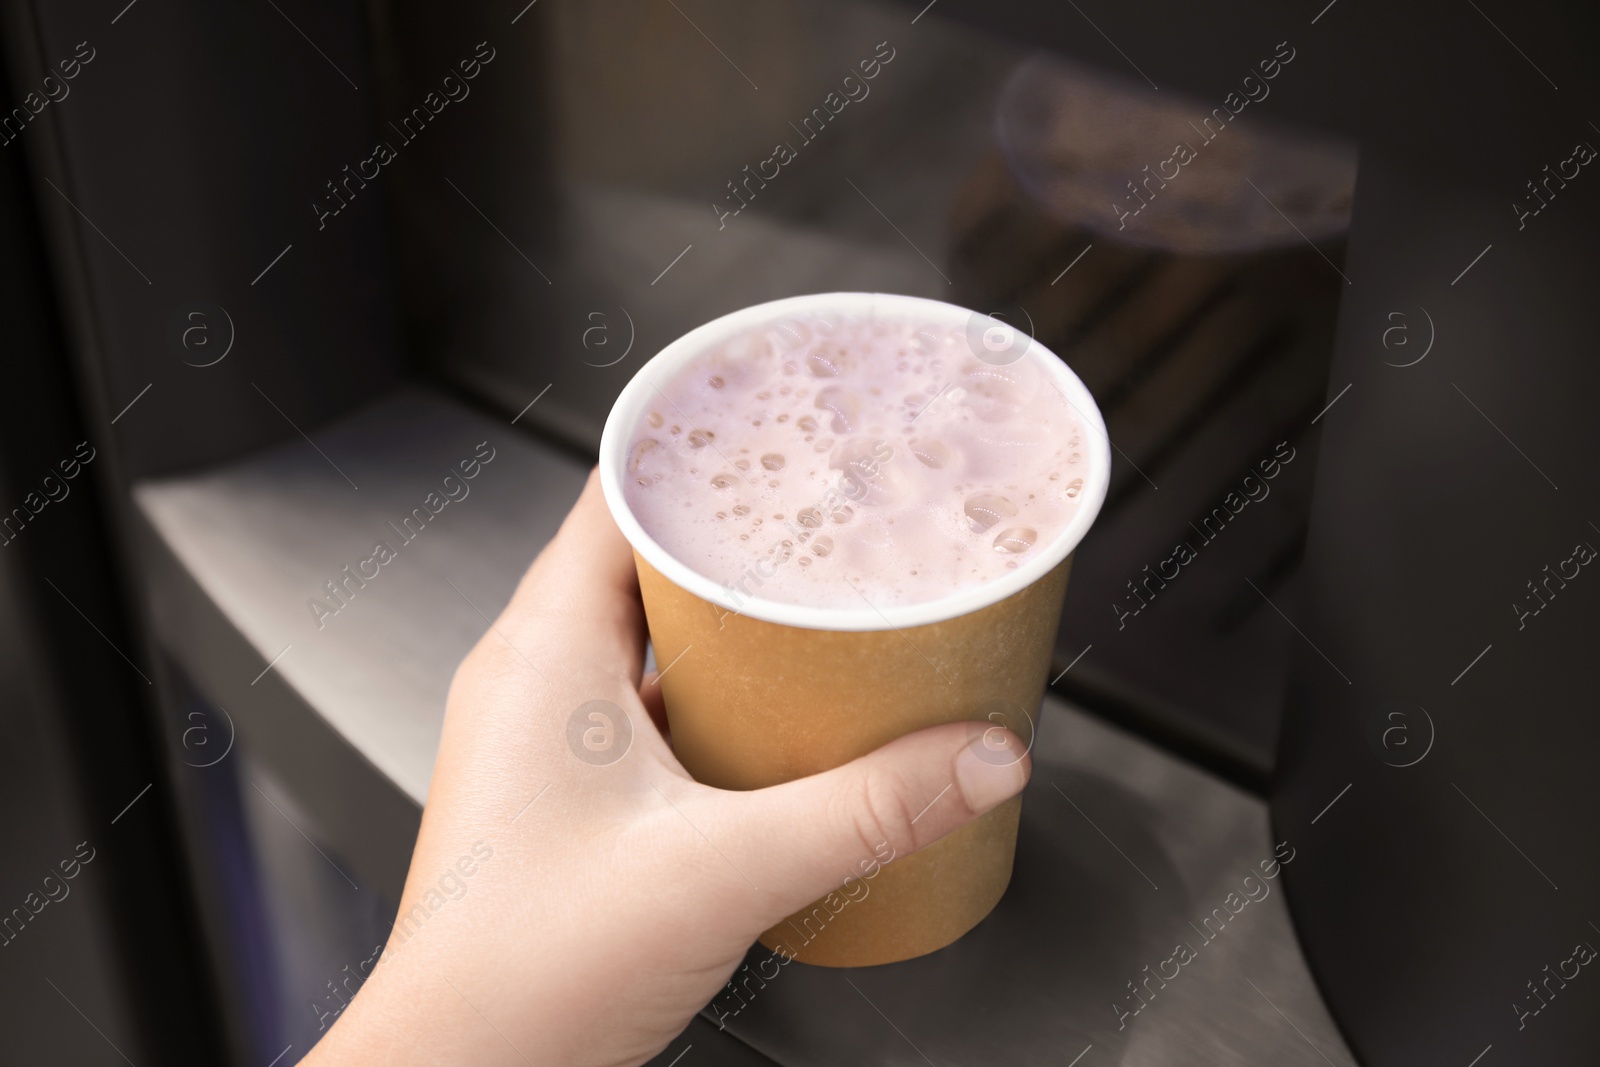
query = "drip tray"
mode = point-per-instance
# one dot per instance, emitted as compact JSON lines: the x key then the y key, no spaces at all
{"x":1124,"y":855}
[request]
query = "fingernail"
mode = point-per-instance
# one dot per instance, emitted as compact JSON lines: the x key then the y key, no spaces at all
{"x":986,"y":780}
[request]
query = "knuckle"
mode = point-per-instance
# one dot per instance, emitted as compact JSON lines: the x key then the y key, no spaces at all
{"x":881,"y":814}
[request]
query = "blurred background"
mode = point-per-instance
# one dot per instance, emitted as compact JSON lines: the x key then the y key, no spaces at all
{"x":272,"y":268}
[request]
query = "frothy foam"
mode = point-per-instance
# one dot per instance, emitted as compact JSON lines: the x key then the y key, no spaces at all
{"x":835,"y":462}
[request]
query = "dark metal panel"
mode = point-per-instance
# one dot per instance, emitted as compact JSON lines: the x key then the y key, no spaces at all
{"x":111,"y":947}
{"x":184,"y":160}
{"x":1449,"y":86}
{"x":1440,"y":701}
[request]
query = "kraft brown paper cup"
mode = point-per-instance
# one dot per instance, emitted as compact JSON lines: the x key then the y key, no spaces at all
{"x":770,"y":692}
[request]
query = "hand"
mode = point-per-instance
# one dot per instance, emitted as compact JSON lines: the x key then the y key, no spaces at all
{"x":597,"y":920}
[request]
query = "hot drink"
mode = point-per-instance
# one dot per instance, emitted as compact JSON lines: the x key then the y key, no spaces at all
{"x":853,"y":516}
{"x":822,"y":459}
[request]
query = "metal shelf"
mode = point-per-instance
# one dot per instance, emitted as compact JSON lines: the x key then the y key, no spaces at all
{"x":1124,"y":849}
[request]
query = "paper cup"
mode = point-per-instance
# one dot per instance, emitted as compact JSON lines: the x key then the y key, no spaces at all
{"x":773,"y":691}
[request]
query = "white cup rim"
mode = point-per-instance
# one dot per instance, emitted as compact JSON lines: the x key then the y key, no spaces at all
{"x":640,"y":392}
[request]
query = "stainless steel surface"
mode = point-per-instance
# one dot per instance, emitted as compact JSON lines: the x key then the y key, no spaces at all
{"x":1123,"y":854}
{"x":348,"y":714}
{"x":603,"y":145}
{"x":601,"y":191}
{"x":1122,"y":847}
{"x":66,"y":940}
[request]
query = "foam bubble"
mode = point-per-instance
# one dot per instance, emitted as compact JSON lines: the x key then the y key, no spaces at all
{"x":790,"y":335}
{"x":931,"y":452}
{"x":868,"y":471}
{"x":983,"y":510}
{"x":998,"y":393}
{"x":641,"y":452}
{"x":1016,"y":539}
{"x":844,"y":404}
{"x":907,"y":467}
{"x":828,"y":361}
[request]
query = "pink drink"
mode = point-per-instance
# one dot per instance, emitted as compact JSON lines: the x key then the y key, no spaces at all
{"x":830,"y":461}
{"x":853,"y":516}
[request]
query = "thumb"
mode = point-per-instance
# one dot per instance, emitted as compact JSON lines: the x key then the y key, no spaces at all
{"x":813,"y":832}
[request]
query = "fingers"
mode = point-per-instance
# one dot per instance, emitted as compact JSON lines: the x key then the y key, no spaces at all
{"x":805,"y":836}
{"x":581,"y":596}
{"x":654,"y":702}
